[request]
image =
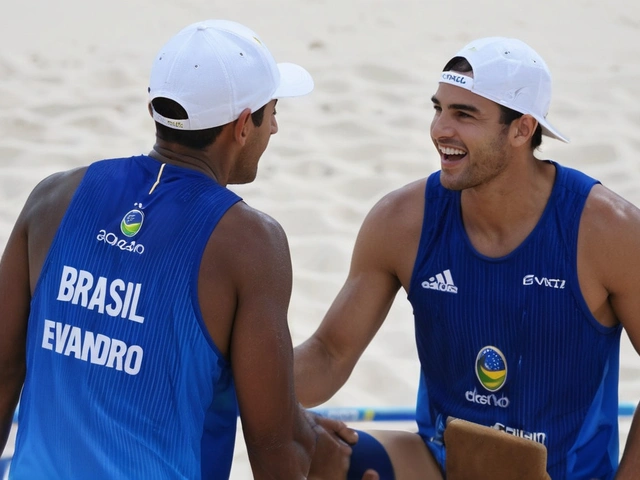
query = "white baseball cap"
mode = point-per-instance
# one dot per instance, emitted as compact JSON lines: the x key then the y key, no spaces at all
{"x":509,"y":72}
{"x":215,"y":69}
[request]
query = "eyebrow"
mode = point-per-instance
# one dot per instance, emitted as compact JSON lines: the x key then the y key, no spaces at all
{"x":457,"y":106}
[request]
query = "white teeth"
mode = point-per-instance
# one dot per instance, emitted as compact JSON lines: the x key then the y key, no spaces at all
{"x":452,"y":151}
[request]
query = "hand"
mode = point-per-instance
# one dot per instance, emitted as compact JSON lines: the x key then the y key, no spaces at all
{"x":334,"y":466}
{"x":331,"y":458}
{"x":338,"y":428}
{"x":371,"y":475}
{"x":343,"y":436}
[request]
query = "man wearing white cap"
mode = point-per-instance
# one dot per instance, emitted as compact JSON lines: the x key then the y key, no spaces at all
{"x":521,"y":274}
{"x":144,"y":305}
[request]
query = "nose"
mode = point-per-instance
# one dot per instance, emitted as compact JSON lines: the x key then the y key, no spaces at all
{"x":441,"y":126}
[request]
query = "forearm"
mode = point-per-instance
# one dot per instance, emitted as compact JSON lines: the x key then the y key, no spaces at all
{"x":630,"y":462}
{"x":318,"y":375}
{"x":274,"y":458}
{"x":279,"y":462}
{"x":10,"y":387}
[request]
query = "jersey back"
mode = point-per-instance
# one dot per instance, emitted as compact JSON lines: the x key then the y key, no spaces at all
{"x":123,"y":379}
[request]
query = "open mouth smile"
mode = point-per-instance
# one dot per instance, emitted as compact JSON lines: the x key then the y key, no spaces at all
{"x":451,"y":154}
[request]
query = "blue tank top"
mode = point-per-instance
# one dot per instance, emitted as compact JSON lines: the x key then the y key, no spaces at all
{"x":123,"y":379}
{"x":510,"y":342}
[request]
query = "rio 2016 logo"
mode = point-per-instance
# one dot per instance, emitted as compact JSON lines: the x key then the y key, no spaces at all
{"x":132,"y":223}
{"x":491,"y":368}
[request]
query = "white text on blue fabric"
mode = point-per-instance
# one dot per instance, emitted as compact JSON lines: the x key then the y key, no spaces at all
{"x":79,"y":288}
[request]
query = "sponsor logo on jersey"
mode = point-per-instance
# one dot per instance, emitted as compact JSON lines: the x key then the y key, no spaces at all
{"x":543,"y":282}
{"x":129,"y":226}
{"x":539,"y":437}
{"x":491,"y":400}
{"x":442,"y":282}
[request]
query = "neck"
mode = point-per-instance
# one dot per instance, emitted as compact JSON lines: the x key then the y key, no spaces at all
{"x":499,"y":216}
{"x":187,"y":158}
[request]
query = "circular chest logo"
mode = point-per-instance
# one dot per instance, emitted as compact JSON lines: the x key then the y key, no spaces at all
{"x":491,"y":368}
{"x":131,"y":223}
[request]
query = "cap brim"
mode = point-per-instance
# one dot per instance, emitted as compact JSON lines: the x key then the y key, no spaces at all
{"x":295,"y":81}
{"x":550,"y":131}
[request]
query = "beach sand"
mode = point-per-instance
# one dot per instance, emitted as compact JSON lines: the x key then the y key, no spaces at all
{"x":73,"y":79}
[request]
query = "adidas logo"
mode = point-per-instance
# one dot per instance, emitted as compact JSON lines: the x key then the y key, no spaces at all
{"x":442,"y":281}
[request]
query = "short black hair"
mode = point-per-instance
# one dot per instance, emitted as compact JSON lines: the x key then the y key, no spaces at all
{"x":507,"y":115}
{"x":197,"y":139}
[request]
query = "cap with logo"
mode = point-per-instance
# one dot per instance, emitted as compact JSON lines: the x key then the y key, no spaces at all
{"x":215,"y":69}
{"x":510,"y":73}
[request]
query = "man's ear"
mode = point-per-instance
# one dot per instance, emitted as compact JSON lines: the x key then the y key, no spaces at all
{"x":522,"y":130}
{"x":243,"y":126}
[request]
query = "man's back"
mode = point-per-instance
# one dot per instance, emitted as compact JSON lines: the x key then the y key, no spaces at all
{"x":118,"y":350}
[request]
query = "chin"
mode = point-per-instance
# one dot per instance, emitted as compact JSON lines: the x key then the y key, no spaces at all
{"x":451,"y":183}
{"x":242,"y":179}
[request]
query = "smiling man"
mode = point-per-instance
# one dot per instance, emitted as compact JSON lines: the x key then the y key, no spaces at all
{"x":521,"y":274}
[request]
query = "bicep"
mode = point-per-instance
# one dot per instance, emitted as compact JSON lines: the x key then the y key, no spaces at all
{"x":15,"y":297}
{"x":25,"y":253}
{"x":624,"y":298}
{"x":15,"y":293}
{"x":609,"y":261}
{"x":261,"y":350}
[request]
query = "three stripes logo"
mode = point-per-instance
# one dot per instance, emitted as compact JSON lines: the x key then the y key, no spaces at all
{"x":442,"y":282}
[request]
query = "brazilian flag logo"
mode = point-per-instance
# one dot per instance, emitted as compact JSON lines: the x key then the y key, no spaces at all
{"x":491,"y":368}
{"x":132,"y":223}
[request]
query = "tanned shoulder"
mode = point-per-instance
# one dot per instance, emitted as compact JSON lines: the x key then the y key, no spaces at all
{"x":610,"y":235}
{"x":391,"y":231}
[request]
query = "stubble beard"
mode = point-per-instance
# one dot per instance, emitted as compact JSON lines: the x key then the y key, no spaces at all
{"x":246,"y":168}
{"x":488,"y":163}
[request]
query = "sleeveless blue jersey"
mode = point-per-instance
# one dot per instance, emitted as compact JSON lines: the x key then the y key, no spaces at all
{"x":509,"y":342}
{"x":123,"y":380}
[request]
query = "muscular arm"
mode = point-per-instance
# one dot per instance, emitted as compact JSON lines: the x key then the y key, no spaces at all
{"x":280,"y":441}
{"x":609,"y":266}
{"x":14,"y":311}
{"x":245,"y":287}
{"x":624,"y":297}
{"x":382,"y":261}
{"x":20,"y":268}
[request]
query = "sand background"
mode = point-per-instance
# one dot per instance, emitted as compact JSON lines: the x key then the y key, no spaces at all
{"x":73,"y":78}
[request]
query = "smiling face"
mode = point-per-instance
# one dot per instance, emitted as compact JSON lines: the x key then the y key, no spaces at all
{"x":467,"y":132}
